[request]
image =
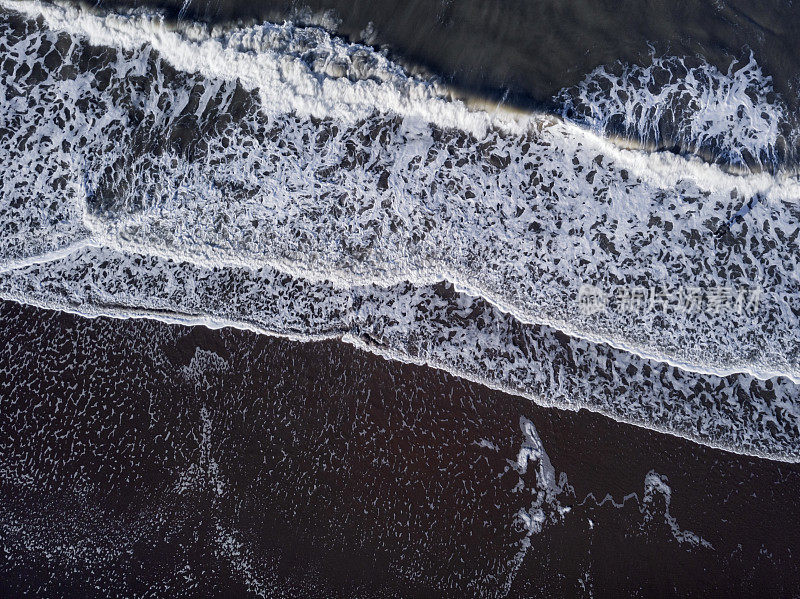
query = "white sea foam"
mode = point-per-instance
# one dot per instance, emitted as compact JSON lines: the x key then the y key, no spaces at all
{"x":736,"y":115}
{"x":656,"y":489}
{"x":300,"y":70}
{"x":656,"y":484}
{"x":432,"y":325}
{"x":545,"y":506}
{"x":298,"y":166}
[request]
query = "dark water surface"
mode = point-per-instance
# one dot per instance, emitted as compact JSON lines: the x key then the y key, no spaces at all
{"x":526,"y":51}
{"x":145,"y":459}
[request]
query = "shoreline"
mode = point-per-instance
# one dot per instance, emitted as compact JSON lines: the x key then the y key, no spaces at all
{"x":362,"y":343}
{"x":414,"y":463}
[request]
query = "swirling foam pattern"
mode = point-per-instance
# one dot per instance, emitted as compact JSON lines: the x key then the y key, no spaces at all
{"x":735,"y":117}
{"x":279,"y":179}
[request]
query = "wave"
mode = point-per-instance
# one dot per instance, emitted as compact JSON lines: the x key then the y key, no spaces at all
{"x":734,"y":118}
{"x":277,"y":178}
{"x":433,"y":325}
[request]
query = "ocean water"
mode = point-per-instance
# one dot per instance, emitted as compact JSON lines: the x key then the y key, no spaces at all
{"x":277,"y":178}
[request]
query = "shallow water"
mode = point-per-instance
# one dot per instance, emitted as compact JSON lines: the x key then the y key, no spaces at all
{"x":140,"y":458}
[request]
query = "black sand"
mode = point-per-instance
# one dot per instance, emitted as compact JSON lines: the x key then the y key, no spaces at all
{"x":324,"y":471}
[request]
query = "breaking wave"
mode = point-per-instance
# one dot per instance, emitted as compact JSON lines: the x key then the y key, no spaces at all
{"x":279,"y":179}
{"x":733,"y":118}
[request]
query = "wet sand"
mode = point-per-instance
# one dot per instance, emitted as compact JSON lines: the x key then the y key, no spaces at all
{"x":144,"y":459}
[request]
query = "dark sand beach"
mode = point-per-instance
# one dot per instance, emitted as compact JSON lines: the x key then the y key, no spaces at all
{"x":145,"y":459}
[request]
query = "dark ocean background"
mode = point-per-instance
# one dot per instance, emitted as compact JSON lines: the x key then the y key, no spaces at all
{"x":525,"y":52}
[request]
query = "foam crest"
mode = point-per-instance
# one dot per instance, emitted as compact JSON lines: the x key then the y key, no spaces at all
{"x":295,"y":69}
{"x":735,"y":116}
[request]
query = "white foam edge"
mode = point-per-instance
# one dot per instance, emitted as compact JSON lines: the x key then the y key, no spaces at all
{"x":347,"y":280}
{"x":213,"y":323}
{"x":348,"y":100}
{"x":176,"y":318}
{"x":284,"y":85}
{"x":51,"y":256}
